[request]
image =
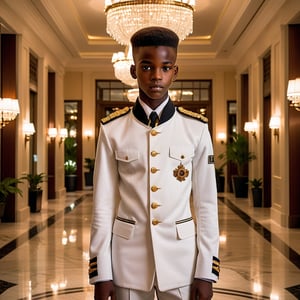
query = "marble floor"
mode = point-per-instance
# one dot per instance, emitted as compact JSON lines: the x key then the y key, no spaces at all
{"x":47,"y":256}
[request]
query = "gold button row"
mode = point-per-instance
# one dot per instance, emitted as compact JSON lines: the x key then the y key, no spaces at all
{"x":154,"y":170}
{"x":154,"y":153}
{"x":155,"y":222}
{"x":154,"y":132}
{"x":154,"y":188}
{"x":155,"y":205}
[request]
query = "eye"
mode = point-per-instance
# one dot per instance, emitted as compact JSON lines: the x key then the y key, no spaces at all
{"x":167,"y":68}
{"x":146,"y":68}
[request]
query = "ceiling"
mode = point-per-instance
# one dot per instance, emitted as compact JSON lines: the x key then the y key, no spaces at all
{"x":80,"y":25}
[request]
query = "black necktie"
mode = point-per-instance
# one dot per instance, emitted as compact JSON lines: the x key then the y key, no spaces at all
{"x":153,"y":119}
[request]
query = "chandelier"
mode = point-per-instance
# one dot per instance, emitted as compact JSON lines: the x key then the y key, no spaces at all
{"x":124,"y":18}
{"x":9,"y":109}
{"x":293,"y":93}
{"x":122,"y":62}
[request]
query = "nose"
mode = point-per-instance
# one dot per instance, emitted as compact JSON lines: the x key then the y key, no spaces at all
{"x":156,"y":74}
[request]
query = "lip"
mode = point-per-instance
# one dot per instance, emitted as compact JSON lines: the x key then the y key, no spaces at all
{"x":156,"y":88}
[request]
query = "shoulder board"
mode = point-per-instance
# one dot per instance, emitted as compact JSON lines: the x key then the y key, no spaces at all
{"x":116,"y":114}
{"x":192,"y":114}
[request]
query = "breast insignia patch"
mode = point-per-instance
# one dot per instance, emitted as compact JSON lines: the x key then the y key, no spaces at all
{"x":192,"y":114}
{"x":116,"y":114}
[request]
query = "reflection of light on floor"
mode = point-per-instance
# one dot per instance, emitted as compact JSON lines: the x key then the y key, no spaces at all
{"x":55,"y":286}
{"x":86,"y":255}
{"x":274,"y":297}
{"x":223,"y":239}
{"x":29,"y":296}
{"x":257,"y":288}
{"x":72,"y":238}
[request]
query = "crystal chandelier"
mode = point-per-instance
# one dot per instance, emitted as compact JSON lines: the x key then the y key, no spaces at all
{"x":122,"y":62}
{"x":124,"y":18}
{"x":293,"y":93}
{"x":9,"y":109}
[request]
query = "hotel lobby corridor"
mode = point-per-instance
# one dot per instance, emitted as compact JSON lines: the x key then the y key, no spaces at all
{"x":47,"y":256}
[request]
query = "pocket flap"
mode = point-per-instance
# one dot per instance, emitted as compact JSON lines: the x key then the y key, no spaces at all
{"x":185,"y":229}
{"x":127,"y":155}
{"x":181,"y":153}
{"x":123,"y":229}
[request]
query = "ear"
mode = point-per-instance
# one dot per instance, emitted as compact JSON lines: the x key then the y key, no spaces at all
{"x":133,"y":71}
{"x":175,"y":73}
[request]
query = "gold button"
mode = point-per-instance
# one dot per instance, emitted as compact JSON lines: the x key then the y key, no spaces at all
{"x":154,"y":170}
{"x":154,"y":153}
{"x":154,"y":132}
{"x":154,"y":188}
{"x":155,"y":205}
{"x":155,"y":222}
{"x":126,"y":157}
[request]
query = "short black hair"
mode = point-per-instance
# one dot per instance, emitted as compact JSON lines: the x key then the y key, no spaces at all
{"x":154,"y":36}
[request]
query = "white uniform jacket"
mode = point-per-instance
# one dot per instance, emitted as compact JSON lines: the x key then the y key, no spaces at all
{"x":142,"y":222}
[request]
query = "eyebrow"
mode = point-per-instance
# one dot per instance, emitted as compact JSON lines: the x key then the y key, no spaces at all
{"x":149,"y":62}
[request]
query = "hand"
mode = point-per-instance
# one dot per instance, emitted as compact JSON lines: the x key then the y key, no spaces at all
{"x":103,"y":290}
{"x":201,"y":290}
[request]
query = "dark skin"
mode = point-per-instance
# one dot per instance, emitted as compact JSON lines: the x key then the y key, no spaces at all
{"x":155,"y":70}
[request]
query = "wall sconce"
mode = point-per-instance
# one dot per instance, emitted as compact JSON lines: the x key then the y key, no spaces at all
{"x":28,"y":129}
{"x":63,"y":134}
{"x":221,"y":136}
{"x":88,"y":134}
{"x":73,"y":133}
{"x":275,"y":124}
{"x":293,"y":93}
{"x":9,"y":109}
{"x":52,"y":133}
{"x":251,"y":127}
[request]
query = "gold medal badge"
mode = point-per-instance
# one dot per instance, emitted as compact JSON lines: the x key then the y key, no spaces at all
{"x":181,"y":172}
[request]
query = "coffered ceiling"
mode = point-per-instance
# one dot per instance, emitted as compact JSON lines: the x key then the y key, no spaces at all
{"x":80,"y":25}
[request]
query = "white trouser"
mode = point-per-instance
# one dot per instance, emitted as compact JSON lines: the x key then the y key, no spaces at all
{"x":182,"y":293}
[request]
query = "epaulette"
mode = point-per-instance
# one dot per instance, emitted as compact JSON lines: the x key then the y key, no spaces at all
{"x":116,"y":114}
{"x":192,"y":114}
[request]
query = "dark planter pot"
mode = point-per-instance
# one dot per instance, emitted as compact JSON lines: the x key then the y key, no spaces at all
{"x":2,"y":208}
{"x":220,"y":184}
{"x":240,"y":186}
{"x":257,"y":197}
{"x":35,"y":200}
{"x":70,"y":182}
{"x":88,"y":176}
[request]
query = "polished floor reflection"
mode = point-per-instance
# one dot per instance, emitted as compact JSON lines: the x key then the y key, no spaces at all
{"x":47,"y":256}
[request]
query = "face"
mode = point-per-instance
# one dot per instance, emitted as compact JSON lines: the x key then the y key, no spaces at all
{"x":155,"y":70}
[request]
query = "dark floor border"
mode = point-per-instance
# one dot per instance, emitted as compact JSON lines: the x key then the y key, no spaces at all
{"x":33,"y":231}
{"x":275,"y":241}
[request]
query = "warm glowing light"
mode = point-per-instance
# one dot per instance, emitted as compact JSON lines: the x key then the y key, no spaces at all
{"x":9,"y":109}
{"x":52,"y":132}
{"x":274,"y":122}
{"x":122,"y":62}
{"x":88,"y":133}
{"x":124,"y":18}
{"x":293,"y":93}
{"x":221,"y":136}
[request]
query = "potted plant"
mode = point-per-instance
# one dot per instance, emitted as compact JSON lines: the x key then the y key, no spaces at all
{"x":220,"y":179}
{"x":256,"y":188}
{"x":88,"y":176}
{"x":35,"y":192}
{"x":237,"y":152}
{"x":8,"y":186}
{"x":70,"y":176}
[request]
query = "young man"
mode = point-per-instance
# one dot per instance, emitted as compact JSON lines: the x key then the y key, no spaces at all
{"x":144,"y":238}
